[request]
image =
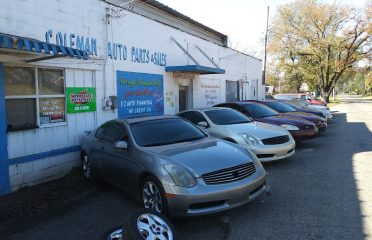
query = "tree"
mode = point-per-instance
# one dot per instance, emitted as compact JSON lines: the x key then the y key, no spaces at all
{"x":324,"y":40}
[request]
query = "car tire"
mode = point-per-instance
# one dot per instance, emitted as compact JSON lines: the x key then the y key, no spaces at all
{"x":152,"y":195}
{"x":146,"y":223}
{"x":86,"y":167}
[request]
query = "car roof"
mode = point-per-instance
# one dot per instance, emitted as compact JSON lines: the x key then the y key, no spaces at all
{"x":281,"y":94}
{"x":203,"y":109}
{"x":147,"y":118}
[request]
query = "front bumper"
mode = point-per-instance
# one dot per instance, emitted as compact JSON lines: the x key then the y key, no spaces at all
{"x":267,"y":153}
{"x":321,"y":126}
{"x":206,"y":199}
{"x":302,"y":134}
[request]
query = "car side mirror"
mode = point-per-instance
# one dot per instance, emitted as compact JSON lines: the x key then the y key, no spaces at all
{"x":202,"y":124}
{"x":121,"y":145}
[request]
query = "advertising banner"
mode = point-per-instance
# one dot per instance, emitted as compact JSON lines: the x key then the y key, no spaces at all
{"x":81,"y":99}
{"x":139,"y":94}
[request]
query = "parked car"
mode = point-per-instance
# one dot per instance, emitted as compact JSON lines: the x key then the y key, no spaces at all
{"x":171,"y":166}
{"x":267,"y":141}
{"x":306,"y":105}
{"x":284,"y":108}
{"x":298,"y":127}
{"x":311,"y":99}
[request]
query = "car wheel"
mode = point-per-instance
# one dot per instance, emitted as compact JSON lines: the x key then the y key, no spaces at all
{"x":87,"y":168}
{"x":152,"y":195}
{"x":148,"y":224}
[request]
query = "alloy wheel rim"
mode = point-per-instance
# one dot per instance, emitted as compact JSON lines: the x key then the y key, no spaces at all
{"x":152,"y":227}
{"x":152,"y":197}
{"x":86,"y":167}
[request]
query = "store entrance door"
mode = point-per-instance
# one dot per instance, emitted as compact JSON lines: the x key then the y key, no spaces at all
{"x":182,"y":96}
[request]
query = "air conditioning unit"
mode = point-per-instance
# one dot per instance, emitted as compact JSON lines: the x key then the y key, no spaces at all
{"x":107,"y":104}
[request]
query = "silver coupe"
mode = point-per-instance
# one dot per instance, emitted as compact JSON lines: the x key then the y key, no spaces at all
{"x":171,"y":166}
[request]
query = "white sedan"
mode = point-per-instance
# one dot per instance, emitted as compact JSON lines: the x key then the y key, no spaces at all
{"x":268,"y":142}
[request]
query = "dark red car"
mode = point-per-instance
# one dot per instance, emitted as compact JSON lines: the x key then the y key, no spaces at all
{"x":298,"y":127}
{"x":286,"y":109}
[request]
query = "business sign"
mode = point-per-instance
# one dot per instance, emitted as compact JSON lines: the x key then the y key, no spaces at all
{"x":81,"y":99}
{"x":139,"y":94}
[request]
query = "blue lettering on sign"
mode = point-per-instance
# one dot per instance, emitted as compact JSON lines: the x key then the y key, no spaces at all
{"x":139,"y":94}
{"x":74,"y":41}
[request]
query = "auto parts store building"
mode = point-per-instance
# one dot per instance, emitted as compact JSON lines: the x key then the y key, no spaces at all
{"x":68,"y":66}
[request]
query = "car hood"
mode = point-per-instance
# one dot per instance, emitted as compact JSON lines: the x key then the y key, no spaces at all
{"x":309,"y":110}
{"x":285,"y":119}
{"x":205,"y":155}
{"x":308,"y":116}
{"x":257,"y":129}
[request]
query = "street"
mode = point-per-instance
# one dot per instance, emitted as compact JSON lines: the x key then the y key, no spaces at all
{"x":322,"y":192}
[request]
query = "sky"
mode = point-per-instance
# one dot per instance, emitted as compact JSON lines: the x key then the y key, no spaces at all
{"x":244,"y":21}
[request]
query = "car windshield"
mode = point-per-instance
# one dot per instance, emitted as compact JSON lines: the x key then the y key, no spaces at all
{"x":303,"y":103}
{"x":293,"y":104}
{"x":258,"y":110}
{"x":226,"y":117}
{"x":165,"y":131}
{"x":280,"y":107}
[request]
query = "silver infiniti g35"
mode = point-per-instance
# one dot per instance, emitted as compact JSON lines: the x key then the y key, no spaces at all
{"x":268,"y":142}
{"x":171,"y":166}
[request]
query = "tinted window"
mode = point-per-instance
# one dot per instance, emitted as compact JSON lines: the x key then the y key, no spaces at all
{"x":280,"y":107}
{"x":20,"y":114}
{"x":194,"y":117}
{"x":226,"y":116}
{"x":112,"y":132}
{"x":293,"y":104}
{"x":259,"y":110}
{"x":164,"y":132}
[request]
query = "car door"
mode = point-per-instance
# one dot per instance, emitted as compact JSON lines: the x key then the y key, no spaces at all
{"x":118,"y":165}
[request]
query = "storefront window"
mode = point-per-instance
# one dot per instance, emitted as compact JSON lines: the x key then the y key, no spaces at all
{"x":19,"y":81}
{"x":51,"y":110}
{"x":30,"y":107}
{"x":21,"y":114}
{"x":51,"y":81}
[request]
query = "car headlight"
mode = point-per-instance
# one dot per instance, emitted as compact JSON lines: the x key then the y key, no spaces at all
{"x":249,"y":139}
{"x":181,"y":176}
{"x":289,"y":127}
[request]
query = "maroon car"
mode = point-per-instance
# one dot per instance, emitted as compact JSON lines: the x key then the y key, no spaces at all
{"x":298,"y":127}
{"x":286,"y":109}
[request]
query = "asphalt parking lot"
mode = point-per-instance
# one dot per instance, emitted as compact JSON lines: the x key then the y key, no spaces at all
{"x":322,"y":192}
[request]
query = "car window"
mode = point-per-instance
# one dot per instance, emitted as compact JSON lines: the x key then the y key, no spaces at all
{"x":280,"y":107}
{"x":112,"y":132}
{"x":164,"y":132}
{"x":227,"y":116}
{"x":193,"y":116}
{"x":258,"y":110}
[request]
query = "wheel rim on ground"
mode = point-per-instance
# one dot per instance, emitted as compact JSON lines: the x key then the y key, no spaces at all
{"x":153,"y":227}
{"x":86,"y":167}
{"x":152,"y":197}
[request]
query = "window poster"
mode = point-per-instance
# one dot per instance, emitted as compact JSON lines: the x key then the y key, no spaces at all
{"x":81,"y":99}
{"x":139,"y":94}
{"x":52,"y":110}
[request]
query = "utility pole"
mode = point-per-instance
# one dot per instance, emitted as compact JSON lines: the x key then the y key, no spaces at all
{"x":267,"y":29}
